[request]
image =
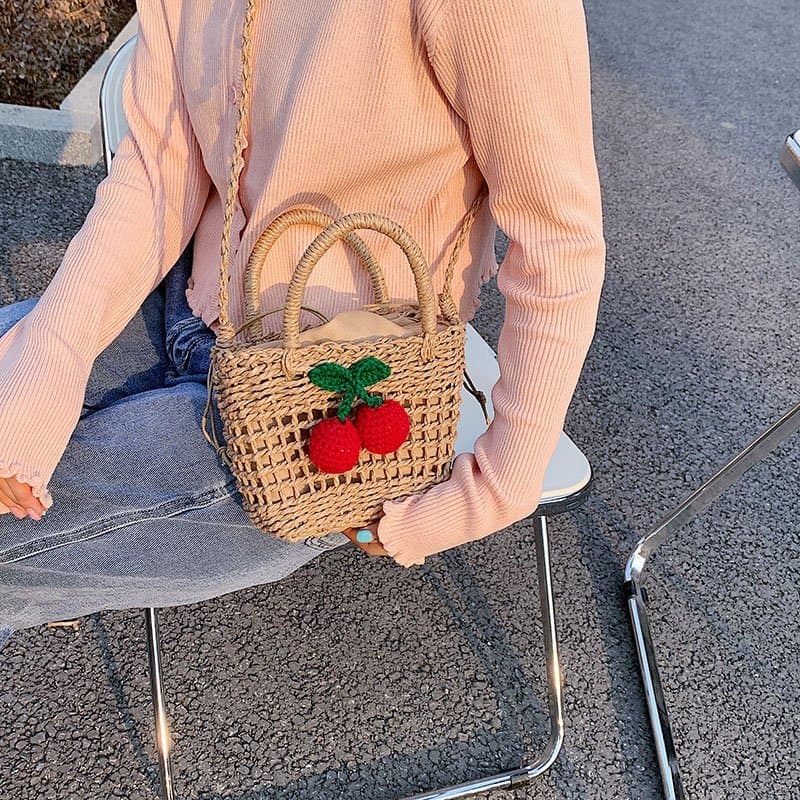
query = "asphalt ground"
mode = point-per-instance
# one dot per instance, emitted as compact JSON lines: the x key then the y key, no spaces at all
{"x":354,"y":678}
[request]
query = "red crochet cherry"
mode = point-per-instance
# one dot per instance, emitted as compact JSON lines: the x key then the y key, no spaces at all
{"x":382,"y":428}
{"x":334,"y":445}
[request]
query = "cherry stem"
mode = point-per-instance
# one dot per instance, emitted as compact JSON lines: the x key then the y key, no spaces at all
{"x":347,"y":402}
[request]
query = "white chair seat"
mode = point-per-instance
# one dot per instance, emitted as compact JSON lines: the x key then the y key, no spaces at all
{"x":568,"y":470}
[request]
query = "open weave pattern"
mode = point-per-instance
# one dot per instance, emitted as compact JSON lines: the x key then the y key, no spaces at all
{"x":268,"y":404}
{"x":267,"y":420}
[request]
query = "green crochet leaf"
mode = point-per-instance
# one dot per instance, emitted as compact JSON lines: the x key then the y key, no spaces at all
{"x":331,"y":376}
{"x":351,"y":381}
{"x":369,"y":370}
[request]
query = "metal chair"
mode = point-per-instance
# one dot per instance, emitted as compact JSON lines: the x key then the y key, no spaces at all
{"x":566,"y":486}
{"x":695,"y":504}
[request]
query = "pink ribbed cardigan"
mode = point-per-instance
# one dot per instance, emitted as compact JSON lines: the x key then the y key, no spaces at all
{"x":400,"y":107}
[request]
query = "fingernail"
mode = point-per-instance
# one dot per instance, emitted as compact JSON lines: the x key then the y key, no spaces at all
{"x":17,"y":512}
{"x":34,"y":513}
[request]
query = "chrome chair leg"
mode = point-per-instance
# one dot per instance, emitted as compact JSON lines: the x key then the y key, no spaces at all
{"x":163,"y":743}
{"x":696,"y":503}
{"x":522,"y":775}
{"x":503,"y":780}
{"x":654,"y":695}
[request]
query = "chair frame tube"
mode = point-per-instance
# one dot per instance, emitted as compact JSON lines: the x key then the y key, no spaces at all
{"x":503,"y":780}
{"x":163,"y":743}
{"x":691,"y":507}
{"x":756,"y":451}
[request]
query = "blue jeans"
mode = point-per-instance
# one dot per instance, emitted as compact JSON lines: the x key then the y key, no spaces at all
{"x":144,"y":512}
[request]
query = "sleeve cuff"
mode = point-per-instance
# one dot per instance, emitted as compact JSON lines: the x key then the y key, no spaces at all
{"x":391,"y":529}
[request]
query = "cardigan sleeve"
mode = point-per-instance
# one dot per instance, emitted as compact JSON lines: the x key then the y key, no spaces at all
{"x":517,"y":72}
{"x":143,"y":216}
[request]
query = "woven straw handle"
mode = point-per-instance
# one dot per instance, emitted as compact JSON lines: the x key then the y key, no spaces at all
{"x":298,"y":216}
{"x":324,"y":241}
{"x":225,"y":332}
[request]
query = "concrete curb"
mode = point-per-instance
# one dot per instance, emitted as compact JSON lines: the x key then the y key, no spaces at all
{"x":69,"y":135}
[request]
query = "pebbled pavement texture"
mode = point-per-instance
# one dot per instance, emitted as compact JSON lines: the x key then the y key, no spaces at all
{"x":356,"y":679}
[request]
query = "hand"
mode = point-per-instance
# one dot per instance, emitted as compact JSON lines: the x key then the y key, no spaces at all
{"x":17,"y":497}
{"x":373,"y":548}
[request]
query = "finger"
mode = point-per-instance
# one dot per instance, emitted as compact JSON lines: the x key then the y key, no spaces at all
{"x":23,"y":493}
{"x":18,"y":512}
{"x":19,"y":497}
{"x":24,"y":496}
{"x":11,"y":505}
{"x":376,"y":549}
{"x":373,"y":548}
{"x":350,"y":533}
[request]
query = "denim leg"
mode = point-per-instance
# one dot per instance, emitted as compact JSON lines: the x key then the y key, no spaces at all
{"x":145,"y":513}
{"x":12,"y":312}
{"x":188,"y":339}
{"x":134,"y":362}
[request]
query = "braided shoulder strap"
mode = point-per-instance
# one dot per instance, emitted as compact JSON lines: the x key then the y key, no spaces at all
{"x":225,"y":333}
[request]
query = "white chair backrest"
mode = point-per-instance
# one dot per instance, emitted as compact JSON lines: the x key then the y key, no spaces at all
{"x":113,"y":125}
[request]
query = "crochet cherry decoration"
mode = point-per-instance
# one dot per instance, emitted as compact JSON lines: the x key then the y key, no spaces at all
{"x":382,"y":428}
{"x":334,"y":443}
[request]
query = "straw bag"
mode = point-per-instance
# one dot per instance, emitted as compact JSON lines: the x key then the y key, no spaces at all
{"x":319,"y":433}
